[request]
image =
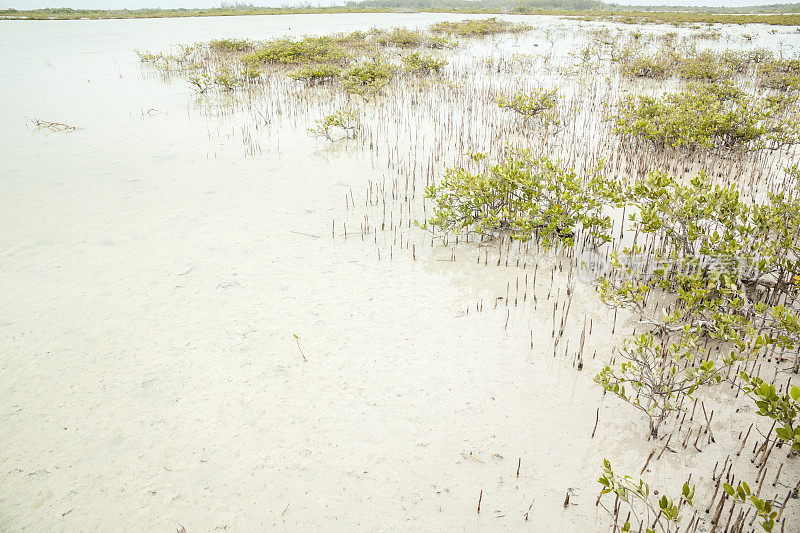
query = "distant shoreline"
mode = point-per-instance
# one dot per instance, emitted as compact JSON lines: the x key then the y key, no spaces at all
{"x":677,"y":18}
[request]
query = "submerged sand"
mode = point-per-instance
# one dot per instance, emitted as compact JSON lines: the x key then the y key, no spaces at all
{"x":152,"y":283}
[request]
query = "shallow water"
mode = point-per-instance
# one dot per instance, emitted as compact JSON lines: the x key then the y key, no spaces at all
{"x":152,"y":284}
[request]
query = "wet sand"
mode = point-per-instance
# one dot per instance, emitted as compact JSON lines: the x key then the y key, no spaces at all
{"x":152,"y":283}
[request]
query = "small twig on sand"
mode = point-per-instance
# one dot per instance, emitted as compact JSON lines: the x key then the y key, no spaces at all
{"x":306,"y":234}
{"x":297,"y":340}
{"x":53,"y":126}
{"x":470,"y":456}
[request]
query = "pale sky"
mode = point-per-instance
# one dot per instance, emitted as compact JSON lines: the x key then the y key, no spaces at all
{"x":133,"y":4}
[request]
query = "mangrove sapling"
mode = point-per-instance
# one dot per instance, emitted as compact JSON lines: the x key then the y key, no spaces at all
{"x":717,"y":253}
{"x":479,"y":28}
{"x":324,"y":49}
{"x":688,"y":64}
{"x":659,"y":374}
{"x":524,"y":197}
{"x":663,"y":513}
{"x":226,"y":79}
{"x":639,"y":65}
{"x":400,"y":37}
{"x":317,"y":74}
{"x":711,"y":35}
{"x":417,"y":63}
{"x":368,"y":78}
{"x":345,"y":120}
{"x":351,"y":41}
{"x":184,"y":60}
{"x":406,"y":38}
{"x":539,"y":105}
{"x":146,"y":56}
{"x":710,"y":116}
{"x":200,"y":82}
{"x":782,"y":328}
{"x":232,"y":45}
{"x":780,"y":74}
{"x":763,"y":508}
{"x":700,"y":306}
{"x":703,"y":66}
{"x":783,"y":408}
{"x":604,"y":36}
{"x":251,"y":73}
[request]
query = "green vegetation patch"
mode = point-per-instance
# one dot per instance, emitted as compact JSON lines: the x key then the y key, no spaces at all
{"x":523,"y":196}
{"x":692,"y":64}
{"x":718,"y":115}
{"x":780,"y":74}
{"x":407,"y":38}
{"x":540,"y":104}
{"x":317,"y":74}
{"x":677,"y":18}
{"x":289,"y":51}
{"x":418,"y":63}
{"x":231,"y":45}
{"x":479,"y":28}
{"x":368,"y":78}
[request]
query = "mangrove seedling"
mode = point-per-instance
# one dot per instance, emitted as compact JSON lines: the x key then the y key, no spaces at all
{"x":664,"y":512}
{"x":660,"y":374}
{"x":764,"y":510}
{"x":539,"y":104}
{"x":368,"y":78}
{"x":783,"y":408}
{"x":418,"y":63}
{"x":344,"y":120}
